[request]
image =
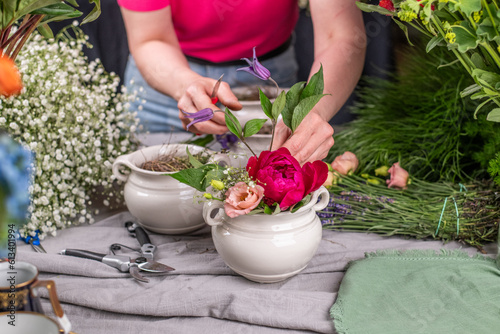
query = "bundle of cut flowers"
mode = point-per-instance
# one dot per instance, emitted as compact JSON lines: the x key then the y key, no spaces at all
{"x":417,"y":118}
{"x":72,"y":118}
{"x":274,"y":181}
{"x":470,"y":29}
{"x":391,"y":202}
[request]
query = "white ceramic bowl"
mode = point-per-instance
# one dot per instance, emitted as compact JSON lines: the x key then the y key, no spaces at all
{"x":158,"y":201}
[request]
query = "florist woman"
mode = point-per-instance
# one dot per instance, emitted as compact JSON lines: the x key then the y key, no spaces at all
{"x":180,"y":47}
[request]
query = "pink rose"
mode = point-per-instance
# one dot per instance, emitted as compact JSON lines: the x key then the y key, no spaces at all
{"x":399,"y":177}
{"x":284,"y":181}
{"x":345,"y":163}
{"x":241,"y":199}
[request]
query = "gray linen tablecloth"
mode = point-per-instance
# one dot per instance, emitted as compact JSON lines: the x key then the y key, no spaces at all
{"x":202,"y":295}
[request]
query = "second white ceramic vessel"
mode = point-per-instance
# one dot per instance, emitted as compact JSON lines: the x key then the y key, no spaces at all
{"x":158,"y":201}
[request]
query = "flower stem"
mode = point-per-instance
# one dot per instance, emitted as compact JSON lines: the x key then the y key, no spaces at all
{"x":277,"y":87}
{"x":29,"y":31}
{"x":244,"y":142}
{"x":273,"y":121}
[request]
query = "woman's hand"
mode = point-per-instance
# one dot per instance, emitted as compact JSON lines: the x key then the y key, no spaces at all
{"x":196,"y":97}
{"x":311,"y":141}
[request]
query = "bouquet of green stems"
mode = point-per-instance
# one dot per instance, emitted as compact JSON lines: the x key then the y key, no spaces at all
{"x":470,"y":29}
{"x":444,"y":211}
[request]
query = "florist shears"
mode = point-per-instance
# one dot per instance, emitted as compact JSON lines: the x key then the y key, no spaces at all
{"x":213,"y":96}
{"x":125,"y":262}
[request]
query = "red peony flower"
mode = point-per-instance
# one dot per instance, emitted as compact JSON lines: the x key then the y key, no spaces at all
{"x":387,"y":4}
{"x":10,"y":79}
{"x":284,"y":181}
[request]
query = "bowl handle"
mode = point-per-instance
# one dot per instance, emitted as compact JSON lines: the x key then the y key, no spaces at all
{"x":213,"y":213}
{"x":323,"y":202}
{"x":221,"y":158}
{"x":122,"y":160}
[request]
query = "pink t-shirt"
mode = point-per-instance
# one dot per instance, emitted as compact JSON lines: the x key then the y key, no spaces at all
{"x":225,"y":30}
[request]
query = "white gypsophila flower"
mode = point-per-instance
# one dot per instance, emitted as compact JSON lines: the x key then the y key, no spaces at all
{"x":75,"y":119}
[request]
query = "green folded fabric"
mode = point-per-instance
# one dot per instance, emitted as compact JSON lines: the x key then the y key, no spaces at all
{"x":419,"y":292}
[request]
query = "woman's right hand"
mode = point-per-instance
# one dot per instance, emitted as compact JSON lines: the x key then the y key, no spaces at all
{"x":197,"y":96}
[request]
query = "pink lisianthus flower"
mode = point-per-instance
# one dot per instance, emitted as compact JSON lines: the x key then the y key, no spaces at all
{"x":345,"y":163}
{"x":241,"y":199}
{"x":284,"y":181}
{"x":399,"y":177}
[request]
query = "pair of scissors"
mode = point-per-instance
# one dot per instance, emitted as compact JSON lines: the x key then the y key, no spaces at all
{"x":213,"y":96}
{"x":125,"y":262}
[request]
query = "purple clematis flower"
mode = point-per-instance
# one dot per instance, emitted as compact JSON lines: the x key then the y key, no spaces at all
{"x":200,"y":116}
{"x":255,"y":68}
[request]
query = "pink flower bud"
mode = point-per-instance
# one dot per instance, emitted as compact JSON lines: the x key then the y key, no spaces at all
{"x":330,"y":180}
{"x":399,"y":177}
{"x":345,"y":163}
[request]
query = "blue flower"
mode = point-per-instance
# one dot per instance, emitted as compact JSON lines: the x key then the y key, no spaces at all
{"x":200,"y":116}
{"x":15,"y":172}
{"x":255,"y":68}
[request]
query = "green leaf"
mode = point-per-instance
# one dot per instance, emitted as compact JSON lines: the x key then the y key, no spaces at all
{"x":266,"y":104}
{"x":194,"y":177}
{"x":278,"y":105}
{"x":213,"y":174}
{"x":277,"y":209}
{"x":73,"y":3}
{"x":486,"y":78}
{"x":478,"y":61}
{"x":45,"y":30}
{"x":466,"y":38}
{"x":303,"y":108}
{"x":253,"y":126}
{"x":436,"y":40}
{"x":315,"y":86}
{"x":255,"y":211}
{"x":470,"y":90}
{"x":94,"y":14}
{"x":201,"y":141}
{"x":300,"y":204}
{"x":59,"y":9}
{"x":267,"y":210}
{"x":192,"y":160}
{"x":373,"y":8}
{"x":488,"y":30}
{"x":233,"y":124}
{"x":478,"y":95}
{"x":30,"y":6}
{"x":403,"y":27}
{"x":494,"y":115}
{"x":470,"y":6}
{"x":292,"y":99}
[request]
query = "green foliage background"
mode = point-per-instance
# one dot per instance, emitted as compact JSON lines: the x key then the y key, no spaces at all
{"x":419,"y":119}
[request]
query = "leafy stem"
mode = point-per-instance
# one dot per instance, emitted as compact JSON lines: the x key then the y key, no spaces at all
{"x":273,"y":129}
